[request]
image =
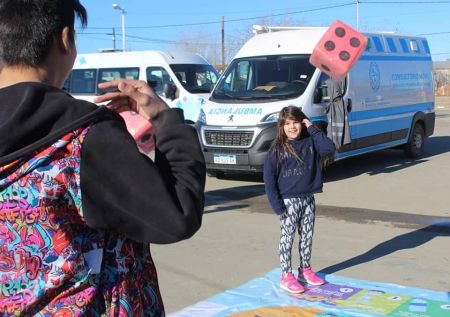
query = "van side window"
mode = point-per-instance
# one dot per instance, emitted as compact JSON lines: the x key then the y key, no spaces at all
{"x":414,"y":46}
{"x":157,"y":77}
{"x":405,"y":47}
{"x":391,"y":44}
{"x":195,"y":78}
{"x":426,"y":47}
{"x":83,"y":81}
{"x":242,"y":76}
{"x":378,"y":44}
{"x":108,"y":74}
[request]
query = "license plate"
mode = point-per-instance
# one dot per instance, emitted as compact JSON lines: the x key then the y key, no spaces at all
{"x":224,"y":159}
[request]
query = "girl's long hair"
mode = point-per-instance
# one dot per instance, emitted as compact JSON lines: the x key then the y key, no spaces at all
{"x":281,"y":145}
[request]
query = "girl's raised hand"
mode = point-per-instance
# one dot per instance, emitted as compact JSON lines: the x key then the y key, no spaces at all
{"x":135,"y":95}
{"x":306,"y":122}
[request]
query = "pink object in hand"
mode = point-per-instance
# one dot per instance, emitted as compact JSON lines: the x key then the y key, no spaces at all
{"x":338,"y":49}
{"x":141,"y":130}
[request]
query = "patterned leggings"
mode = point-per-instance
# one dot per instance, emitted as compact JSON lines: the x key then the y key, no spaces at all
{"x":300,"y":215}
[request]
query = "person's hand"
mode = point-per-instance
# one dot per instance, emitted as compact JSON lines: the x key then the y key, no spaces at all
{"x":306,"y":122}
{"x":135,"y":95}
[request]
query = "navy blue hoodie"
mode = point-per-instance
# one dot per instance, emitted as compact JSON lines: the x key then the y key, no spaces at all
{"x":291,"y":178}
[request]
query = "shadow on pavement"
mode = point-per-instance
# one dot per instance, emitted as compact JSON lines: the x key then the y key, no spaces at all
{"x":384,"y":161}
{"x":408,"y":240}
{"x":232,"y":198}
{"x":246,"y":177}
{"x":210,"y":210}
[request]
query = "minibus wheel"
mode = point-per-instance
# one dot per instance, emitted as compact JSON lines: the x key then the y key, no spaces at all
{"x":415,"y":144}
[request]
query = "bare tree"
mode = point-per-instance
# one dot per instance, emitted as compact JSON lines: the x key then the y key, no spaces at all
{"x":199,"y":42}
{"x":209,"y":44}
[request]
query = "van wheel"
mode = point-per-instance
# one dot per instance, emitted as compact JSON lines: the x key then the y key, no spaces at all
{"x":414,"y":147}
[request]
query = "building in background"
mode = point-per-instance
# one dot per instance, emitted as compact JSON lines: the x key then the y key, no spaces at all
{"x":441,"y":72}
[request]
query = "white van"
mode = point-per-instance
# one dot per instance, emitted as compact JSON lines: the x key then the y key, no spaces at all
{"x":182,"y":79}
{"x":388,"y":95}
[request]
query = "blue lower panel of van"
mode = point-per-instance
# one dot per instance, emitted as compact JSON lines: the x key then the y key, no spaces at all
{"x":384,"y":125}
{"x":381,"y":128}
{"x":372,"y":122}
{"x":368,"y":149}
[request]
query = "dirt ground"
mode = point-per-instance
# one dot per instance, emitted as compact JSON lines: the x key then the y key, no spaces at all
{"x":443,"y":101}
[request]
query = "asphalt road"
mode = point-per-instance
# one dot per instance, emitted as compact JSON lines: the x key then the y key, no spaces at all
{"x":382,"y":217}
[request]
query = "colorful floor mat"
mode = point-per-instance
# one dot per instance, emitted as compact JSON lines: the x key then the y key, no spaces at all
{"x":340,"y":297}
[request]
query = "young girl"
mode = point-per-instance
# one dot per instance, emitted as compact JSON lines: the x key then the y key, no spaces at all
{"x":292,"y":174}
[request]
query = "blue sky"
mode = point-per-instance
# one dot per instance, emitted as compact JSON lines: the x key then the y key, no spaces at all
{"x":154,"y":25}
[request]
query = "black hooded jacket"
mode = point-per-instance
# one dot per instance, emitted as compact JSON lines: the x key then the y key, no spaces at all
{"x":121,"y":189}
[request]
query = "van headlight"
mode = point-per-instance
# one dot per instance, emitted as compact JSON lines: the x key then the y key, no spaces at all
{"x":270,"y":118}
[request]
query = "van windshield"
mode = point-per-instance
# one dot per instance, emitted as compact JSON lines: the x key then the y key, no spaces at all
{"x":196,"y":78}
{"x":264,"y":77}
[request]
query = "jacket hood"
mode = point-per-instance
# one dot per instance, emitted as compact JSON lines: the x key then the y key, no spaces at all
{"x":35,"y":114}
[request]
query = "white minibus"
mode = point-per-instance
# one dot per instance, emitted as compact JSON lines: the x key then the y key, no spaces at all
{"x":182,"y":79}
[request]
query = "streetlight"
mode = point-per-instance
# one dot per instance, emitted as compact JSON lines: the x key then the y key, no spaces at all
{"x":115,"y":6}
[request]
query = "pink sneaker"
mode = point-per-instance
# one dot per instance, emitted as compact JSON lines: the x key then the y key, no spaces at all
{"x":290,"y":284}
{"x":308,"y":275}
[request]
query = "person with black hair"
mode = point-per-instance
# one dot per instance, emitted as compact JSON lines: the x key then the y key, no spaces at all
{"x":79,"y":204}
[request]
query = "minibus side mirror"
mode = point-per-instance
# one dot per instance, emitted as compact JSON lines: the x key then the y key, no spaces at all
{"x":170,"y":91}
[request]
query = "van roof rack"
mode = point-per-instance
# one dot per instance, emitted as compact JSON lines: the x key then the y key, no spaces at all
{"x":259,"y":29}
{"x":109,"y":50}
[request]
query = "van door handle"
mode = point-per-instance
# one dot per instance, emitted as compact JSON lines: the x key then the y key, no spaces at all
{"x":349,"y":105}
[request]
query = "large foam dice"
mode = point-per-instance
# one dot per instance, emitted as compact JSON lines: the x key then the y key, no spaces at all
{"x":141,"y":130}
{"x":338,"y":49}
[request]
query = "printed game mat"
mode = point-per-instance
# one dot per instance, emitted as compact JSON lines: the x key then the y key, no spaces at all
{"x":340,"y":297}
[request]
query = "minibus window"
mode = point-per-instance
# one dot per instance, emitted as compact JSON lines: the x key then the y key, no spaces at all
{"x":157,"y":77}
{"x":83,"y":81}
{"x":196,"y":78}
{"x":108,"y":74}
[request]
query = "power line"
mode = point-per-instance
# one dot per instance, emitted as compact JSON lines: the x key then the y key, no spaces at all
{"x":155,"y":40}
{"x":435,"y":33}
{"x":405,"y":2}
{"x":242,"y":19}
{"x":279,"y":14}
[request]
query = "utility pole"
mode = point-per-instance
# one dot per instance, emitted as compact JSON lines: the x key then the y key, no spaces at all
{"x":357,"y":15}
{"x":114,"y":38}
{"x":223,"y":43}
